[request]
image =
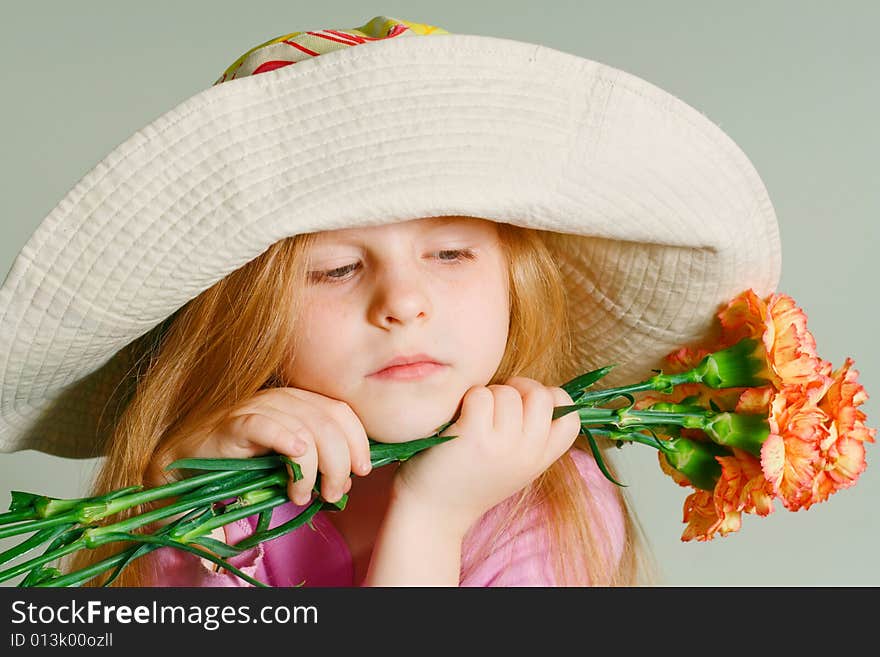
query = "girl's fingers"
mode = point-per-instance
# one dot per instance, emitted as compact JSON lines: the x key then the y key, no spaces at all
{"x":476,"y":411}
{"x":355,"y":434}
{"x":293,"y":400}
{"x":537,"y":404}
{"x":334,"y":459}
{"x":507,"y":414}
{"x":322,"y":418}
{"x":563,"y":430}
{"x":297,"y":428}
{"x":253,"y":434}
{"x":300,"y":492}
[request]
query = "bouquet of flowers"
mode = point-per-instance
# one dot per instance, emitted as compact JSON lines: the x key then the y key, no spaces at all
{"x":754,"y":418}
{"x":758,"y":416}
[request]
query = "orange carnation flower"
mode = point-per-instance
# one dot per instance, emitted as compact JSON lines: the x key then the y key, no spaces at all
{"x":816,"y":435}
{"x":782,"y":326}
{"x":790,"y":456}
{"x":843,"y":450}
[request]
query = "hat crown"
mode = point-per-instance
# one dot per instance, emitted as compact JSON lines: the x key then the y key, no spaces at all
{"x":294,"y":47}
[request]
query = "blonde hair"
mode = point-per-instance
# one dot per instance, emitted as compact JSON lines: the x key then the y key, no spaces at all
{"x":229,"y":342}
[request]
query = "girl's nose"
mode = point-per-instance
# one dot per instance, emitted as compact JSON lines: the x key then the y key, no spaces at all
{"x":400,"y":296}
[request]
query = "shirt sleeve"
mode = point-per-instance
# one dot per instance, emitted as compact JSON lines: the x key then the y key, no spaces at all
{"x":520,"y":557}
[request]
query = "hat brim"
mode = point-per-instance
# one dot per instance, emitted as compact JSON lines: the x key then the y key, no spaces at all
{"x":660,"y":214}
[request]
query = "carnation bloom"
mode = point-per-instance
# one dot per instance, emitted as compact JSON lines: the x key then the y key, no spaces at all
{"x":791,"y":457}
{"x":815,"y":444}
{"x":843,"y":450}
{"x":782,"y":326}
{"x":742,"y":487}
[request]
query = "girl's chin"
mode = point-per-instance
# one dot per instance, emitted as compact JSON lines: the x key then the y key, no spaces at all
{"x":399,"y":418}
{"x":385,"y":431}
{"x":398,"y":435}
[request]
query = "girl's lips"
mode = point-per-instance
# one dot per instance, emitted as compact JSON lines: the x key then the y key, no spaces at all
{"x":408,"y":372}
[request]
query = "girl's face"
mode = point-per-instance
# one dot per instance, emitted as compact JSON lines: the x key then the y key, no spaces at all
{"x":435,"y":286}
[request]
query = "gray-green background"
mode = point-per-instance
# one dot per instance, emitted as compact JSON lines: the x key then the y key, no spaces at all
{"x":794,"y":83}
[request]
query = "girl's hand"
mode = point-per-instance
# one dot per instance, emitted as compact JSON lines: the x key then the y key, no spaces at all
{"x":505,"y":440}
{"x":317,"y":432}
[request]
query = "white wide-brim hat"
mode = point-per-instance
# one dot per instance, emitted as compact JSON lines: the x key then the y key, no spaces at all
{"x":660,"y":216}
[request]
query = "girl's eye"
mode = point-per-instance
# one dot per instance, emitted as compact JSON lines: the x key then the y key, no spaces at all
{"x":458,"y":254}
{"x":340,"y":273}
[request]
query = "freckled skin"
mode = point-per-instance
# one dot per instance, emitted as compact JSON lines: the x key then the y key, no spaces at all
{"x":398,"y":291}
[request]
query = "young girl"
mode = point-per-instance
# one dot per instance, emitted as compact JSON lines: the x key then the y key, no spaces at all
{"x":348,"y":302}
{"x":243,"y":275}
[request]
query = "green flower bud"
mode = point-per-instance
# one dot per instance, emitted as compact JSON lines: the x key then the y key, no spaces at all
{"x":746,"y":432}
{"x":695,"y":460}
{"x":741,"y":366}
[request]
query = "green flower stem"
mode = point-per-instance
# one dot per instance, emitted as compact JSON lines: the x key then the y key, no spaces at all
{"x":741,"y":365}
{"x":743,"y":431}
{"x":92,"y":537}
{"x":657,"y":383}
{"x":381,"y":454}
{"x":41,"y":560}
{"x":624,"y":417}
{"x":37,"y":539}
{"x":88,"y":511}
{"x":16,"y":516}
{"x":36,"y":525}
{"x":47,"y":507}
{"x":204,"y":488}
{"x":273,"y":498}
{"x":160,"y":492}
{"x":629,"y":437}
{"x":94,"y":533}
{"x":77,"y":577}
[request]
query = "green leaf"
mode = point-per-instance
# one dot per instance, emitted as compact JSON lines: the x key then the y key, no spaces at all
{"x":40,"y":575}
{"x":304,"y":516}
{"x":294,"y":466}
{"x":188,"y":522}
{"x":384,"y":453}
{"x":42,"y":536}
{"x":265,"y":519}
{"x":218,"y":547}
{"x":339,"y":505}
{"x":167,"y":542}
{"x":22,"y":501}
{"x":129,"y":555}
{"x":598,"y":456}
{"x":575,"y":388}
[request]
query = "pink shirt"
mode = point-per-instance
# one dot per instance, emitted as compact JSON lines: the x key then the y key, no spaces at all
{"x":320,"y":556}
